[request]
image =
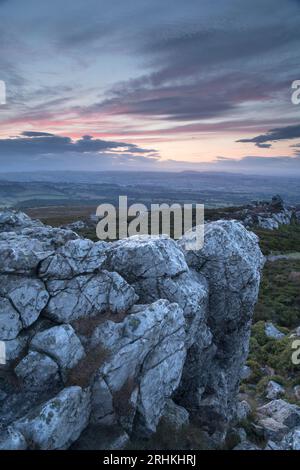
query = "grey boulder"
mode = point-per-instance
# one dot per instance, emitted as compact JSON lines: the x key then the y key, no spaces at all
{"x":37,"y":371}
{"x":57,"y":423}
{"x":88,"y":295}
{"x":74,"y":258}
{"x":61,"y":344}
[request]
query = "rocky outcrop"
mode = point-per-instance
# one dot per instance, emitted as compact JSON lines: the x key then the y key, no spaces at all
{"x":108,"y":338}
{"x":280,"y":424}
{"x":268,"y":215}
{"x":231,"y":262}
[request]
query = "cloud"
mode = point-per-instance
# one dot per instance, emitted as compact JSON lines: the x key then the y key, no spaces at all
{"x":261,"y":165}
{"x":36,"y":134}
{"x":41,"y":143}
{"x":198,"y":99}
{"x":263,"y":146}
{"x":39,"y":150}
{"x":274,"y":135}
{"x":120,"y":67}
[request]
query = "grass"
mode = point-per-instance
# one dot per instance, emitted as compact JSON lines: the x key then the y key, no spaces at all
{"x":278,"y":302}
{"x":279,"y":297}
{"x":284,"y":240}
{"x":83,"y":373}
{"x":86,"y":326}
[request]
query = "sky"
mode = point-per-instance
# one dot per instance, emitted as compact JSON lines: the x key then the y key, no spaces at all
{"x":150,"y":85}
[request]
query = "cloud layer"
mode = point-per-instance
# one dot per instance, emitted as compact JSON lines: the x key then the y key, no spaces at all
{"x":210,"y":75}
{"x":274,"y":135}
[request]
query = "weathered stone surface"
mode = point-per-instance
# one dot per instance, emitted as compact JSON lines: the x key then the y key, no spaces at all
{"x":51,"y":238}
{"x":3,"y":395}
{"x":88,"y":295}
{"x":243,"y":410}
{"x":231,"y":261}
{"x":246,"y":445}
{"x":271,"y":445}
{"x":146,"y":350}
{"x":282,"y":412}
{"x":20,"y":254}
{"x":176,"y":416}
{"x":292,"y":440}
{"x":187,"y":339}
{"x":13,"y":221}
{"x":61,"y":344}
{"x":274,"y":390}
{"x":28,"y":296}
{"x":146,"y":257}
{"x":102,"y":403}
{"x":10,"y":324}
{"x":74,"y":258}
{"x":57,"y":423}
{"x":11,"y":439}
{"x":272,"y":332}
{"x":189,"y":290}
{"x":38,"y":371}
{"x":273,"y":429}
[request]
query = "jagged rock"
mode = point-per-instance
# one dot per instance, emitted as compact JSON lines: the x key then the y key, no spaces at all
{"x":282,"y":412}
{"x":16,"y":347}
{"x":10,"y":324}
{"x":189,"y":290}
{"x":12,"y":439}
{"x":37,"y":371}
{"x":102,"y":403}
{"x":88,"y":295}
{"x":273,"y":429}
{"x":74,"y":258}
{"x":61,"y":344}
{"x":271,"y":445}
{"x":192,"y":351}
{"x":231,"y":261}
{"x":57,"y":423}
{"x":292,"y":440}
{"x":272,"y":332}
{"x":243,"y":410}
{"x":146,"y":257}
{"x":274,"y":390}
{"x":14,"y":221}
{"x":176,"y":416}
{"x":52,"y":238}
{"x":277,"y":202}
{"x":3,"y":395}
{"x":20,"y":254}
{"x":146,"y":350}
{"x":246,"y":445}
{"x":267,"y":223}
{"x":28,"y":296}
